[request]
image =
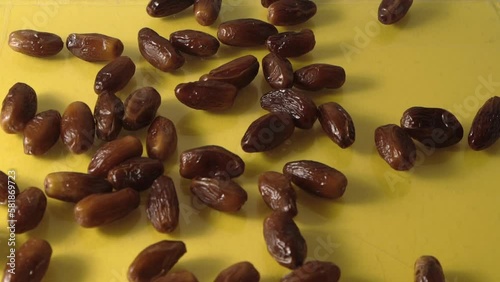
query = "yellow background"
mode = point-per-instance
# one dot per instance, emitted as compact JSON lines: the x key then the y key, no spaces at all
{"x":447,"y":206}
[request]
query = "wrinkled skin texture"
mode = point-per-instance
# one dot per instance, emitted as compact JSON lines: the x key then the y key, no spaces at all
{"x":161,"y":141}
{"x":195,"y":43}
{"x":239,"y":72}
{"x":30,"y":208}
{"x":159,"y":51}
{"x":114,"y":76}
{"x":5,"y":181}
{"x":314,"y":271}
{"x":164,"y":8}
{"x":94,"y":47}
{"x":206,"y":12}
{"x":42,"y":132}
{"x":290,"y":12}
{"x":32,"y":262}
{"x":162,"y":207}
{"x":291,"y":43}
{"x":78,"y":127}
{"x":267,"y":132}
{"x":485,"y":129}
{"x":245,"y":32}
{"x":395,"y":147}
{"x":220,"y":194}
{"x":18,"y":108}
{"x":210,"y":95}
{"x":242,"y":272}
{"x":315,"y":77}
{"x":277,"y":192}
{"x":35,"y":43}
{"x":210,"y":161}
{"x":391,"y":11}
{"x":278,"y":71}
{"x":337,"y":124}
{"x":137,"y":173}
{"x":140,"y":108}
{"x":74,"y":186}
{"x":428,"y":269}
{"x":108,"y":115}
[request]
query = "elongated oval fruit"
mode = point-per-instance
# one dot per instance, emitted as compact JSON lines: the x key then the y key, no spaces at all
{"x":395,"y":146}
{"x":78,"y":127}
{"x":315,"y":77}
{"x":278,"y":71}
{"x":239,"y":72}
{"x":161,"y":141}
{"x":391,"y":11}
{"x":32,"y":262}
{"x":137,"y":173}
{"x":42,"y":132}
{"x":164,"y":8}
{"x":8,"y":188}
{"x":291,"y":43}
{"x":30,"y":208}
{"x":210,"y":161}
{"x":277,"y":192}
{"x":337,"y":124}
{"x":210,"y":95}
{"x":316,"y":178}
{"x":290,"y":12}
{"x":485,"y":128}
{"x":74,"y":186}
{"x":35,"y":43}
{"x":242,"y":272}
{"x":159,"y":51}
{"x":108,"y":114}
{"x":314,"y":271}
{"x":245,"y":32}
{"x":162,"y":207}
{"x":176,"y":276}
{"x":140,"y":108}
{"x":94,"y":47}
{"x":114,"y":76}
{"x":18,"y":108}
{"x":220,"y":194}
{"x":428,"y":269}
{"x":194,"y":42}
{"x":267,"y":132}
{"x":206,"y":12}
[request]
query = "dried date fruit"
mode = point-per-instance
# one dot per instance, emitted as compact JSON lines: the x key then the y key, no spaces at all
{"x":194,"y":42}
{"x":277,"y":192}
{"x":428,"y":269}
{"x":30,"y":208}
{"x":316,"y":178}
{"x":337,"y":124}
{"x":18,"y":108}
{"x":207,"y":95}
{"x":278,"y":71}
{"x":161,"y":141}
{"x":315,"y":77}
{"x":74,"y":186}
{"x":246,"y":32}
{"x":177,"y":276}
{"x":290,"y":12}
{"x":391,"y":11}
{"x":238,"y":72}
{"x":35,"y":43}
{"x":32,"y":262}
{"x":159,"y":51}
{"x":485,"y":128}
{"x":114,"y":76}
{"x":220,"y":194}
{"x":42,"y":132}
{"x":395,"y":146}
{"x":210,"y":161}
{"x":78,"y":127}
{"x":242,"y":272}
{"x":140,"y":108}
{"x":137,"y":173}
{"x":266,"y":3}
{"x":108,"y":115}
{"x":8,"y":188}
{"x":162,"y":207}
{"x":291,"y":43}
{"x":94,"y":47}
{"x":284,"y":240}
{"x":314,"y":271}
{"x":206,"y":12}
{"x":164,"y":8}
{"x":267,"y":132}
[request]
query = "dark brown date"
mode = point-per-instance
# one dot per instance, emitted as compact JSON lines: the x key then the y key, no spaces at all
{"x":155,"y":260}
{"x":277,"y":192}
{"x":94,"y":47}
{"x":194,"y":42}
{"x":140,"y":108}
{"x":278,"y":71}
{"x":137,"y":173}
{"x":8,"y":189}
{"x":313,"y":271}
{"x":433,"y":127}
{"x":266,"y":3}
{"x":78,"y":127}
{"x":206,"y":12}
{"x":299,"y":106}
{"x":220,"y":194}
{"x":395,"y":146}
{"x":162,"y":207}
{"x":108,"y":115}
{"x":114,"y":76}
{"x":318,"y":76}
{"x":35,"y":43}
{"x":18,"y":108}
{"x":100,"y":209}
{"x":485,"y":129}
{"x":245,"y":32}
{"x":291,"y":12}
{"x":267,"y":132}
{"x":242,"y":272}
{"x":337,"y":124}
{"x":42,"y":132}
{"x":316,"y":178}
{"x":238,"y":72}
{"x":30,"y":208}
{"x":291,"y":43}
{"x":210,"y":161}
{"x":32,"y":262}
{"x":177,"y":276}
{"x":207,"y":95}
{"x":164,"y":8}
{"x":428,"y":269}
{"x":113,"y":153}
{"x":159,"y":51}
{"x":74,"y":186}
{"x":161,"y":141}
{"x":391,"y":11}
{"x":284,"y":241}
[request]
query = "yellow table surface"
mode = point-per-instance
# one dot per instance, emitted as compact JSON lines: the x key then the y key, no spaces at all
{"x":442,"y":54}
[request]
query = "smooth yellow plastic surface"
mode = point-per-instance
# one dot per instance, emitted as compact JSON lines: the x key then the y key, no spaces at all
{"x":442,"y":54}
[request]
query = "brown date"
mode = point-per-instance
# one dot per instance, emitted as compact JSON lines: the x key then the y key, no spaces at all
{"x":290,"y":12}
{"x":238,"y":72}
{"x":485,"y":128}
{"x":114,"y":76}
{"x":162,"y":207}
{"x":314,"y":271}
{"x":267,"y":132}
{"x":428,"y":269}
{"x":210,"y":95}
{"x":245,"y":32}
{"x":32,"y":262}
{"x":337,"y":124}
{"x":18,"y":108}
{"x":194,"y":42}
{"x":94,"y":47}
{"x":210,"y":161}
{"x":74,"y":186}
{"x":140,"y":108}
{"x":278,"y":71}
{"x":161,"y":141}
{"x":391,"y":11}
{"x":277,"y":192}
{"x":242,"y":272}
{"x":30,"y":208}
{"x":108,"y":115}
{"x":206,"y":12}
{"x":318,"y":76}
{"x":42,"y":132}
{"x":221,"y":194}
{"x":395,"y":146}
{"x":159,"y":51}
{"x":137,"y":173}
{"x":8,"y":188}
{"x":177,"y":276}
{"x":78,"y":127}
{"x":291,"y":43}
{"x":35,"y":43}
{"x":266,"y":3}
{"x":163,"y":8}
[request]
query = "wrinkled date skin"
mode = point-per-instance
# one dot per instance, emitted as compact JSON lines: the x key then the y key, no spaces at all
{"x":113,"y":153}
{"x":94,"y":47}
{"x":238,"y":72}
{"x":277,"y":192}
{"x":155,"y":260}
{"x":164,"y":8}
{"x":210,"y":161}
{"x":318,"y":76}
{"x":137,"y":173}
{"x":114,"y":76}
{"x":245,"y":32}
{"x":485,"y":129}
{"x":8,"y":187}
{"x":291,"y":12}
{"x":159,"y":51}
{"x":391,"y":11}
{"x":177,"y":276}
{"x":242,"y":272}
{"x":42,"y":132}
{"x":428,"y":269}
{"x":194,"y":42}
{"x":74,"y":186}
{"x":108,"y":115}
{"x":35,"y":43}
{"x":162,"y":207}
{"x":161,"y":141}
{"x":291,"y":43}
{"x":316,"y":178}
{"x":18,"y":108}
{"x":221,"y":194}
{"x":433,"y":127}
{"x":299,"y":106}
{"x":100,"y":209}
{"x":140,"y":108}
{"x":314,"y":271}
{"x":206,"y":12}
{"x":267,"y":132}
{"x":32,"y":262}
{"x":284,"y":241}
{"x":78,"y":127}
{"x":278,"y":71}
{"x":395,"y":146}
{"x":30,"y":208}
{"x":210,"y":95}
{"x":266,"y":3}
{"x":337,"y":124}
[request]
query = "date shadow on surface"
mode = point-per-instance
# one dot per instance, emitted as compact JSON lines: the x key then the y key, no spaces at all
{"x":429,"y":158}
{"x":314,"y":210}
{"x":123,"y":225}
{"x":202,"y":267}
{"x":57,"y":223}
{"x":459,"y":276}
{"x":419,"y":15}
{"x":245,"y":99}
{"x":300,"y":141}
{"x":357,"y":83}
{"x":360,"y":191}
{"x":63,"y":266}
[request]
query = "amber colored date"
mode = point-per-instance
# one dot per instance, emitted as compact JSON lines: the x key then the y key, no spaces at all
{"x":267,"y":132}
{"x":290,"y":12}
{"x":277,"y":192}
{"x":395,"y":146}
{"x":210,"y":161}
{"x":238,"y":72}
{"x":73,"y":186}
{"x":78,"y":127}
{"x":30,"y":208}
{"x":108,"y":115}
{"x":42,"y":132}
{"x":220,"y":194}
{"x":18,"y":108}
{"x":428,"y":269}
{"x":210,"y":95}
{"x":162,"y":207}
{"x":8,"y":187}
{"x":242,"y":272}
{"x":194,"y":42}
{"x":94,"y":47}
{"x":159,"y":51}
{"x":32,"y":262}
{"x":164,"y":8}
{"x":485,"y":128}
{"x":161,"y":141}
{"x":140,"y":108}
{"x":35,"y":43}
{"x":291,"y":43}
{"x":246,"y":32}
{"x":278,"y":71}
{"x":318,"y":76}
{"x":114,"y":76}
{"x":206,"y":12}
{"x":137,"y":173}
{"x":337,"y":124}
{"x":391,"y":11}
